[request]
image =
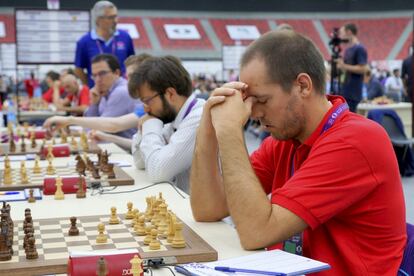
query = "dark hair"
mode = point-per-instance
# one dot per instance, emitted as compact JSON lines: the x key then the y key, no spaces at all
{"x":136,"y":59}
{"x":54,"y":76}
{"x":368,"y":73}
{"x":160,"y":73}
{"x":111,"y":60}
{"x":352,"y":28}
{"x":286,"y":54}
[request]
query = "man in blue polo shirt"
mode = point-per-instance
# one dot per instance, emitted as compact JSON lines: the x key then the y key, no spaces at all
{"x":104,"y":38}
{"x":354,"y":65}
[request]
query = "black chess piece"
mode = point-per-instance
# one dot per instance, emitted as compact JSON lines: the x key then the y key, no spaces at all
{"x":73,"y":230}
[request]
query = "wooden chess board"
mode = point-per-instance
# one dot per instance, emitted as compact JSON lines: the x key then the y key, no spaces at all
{"x":92,"y":147}
{"x":53,"y":245}
{"x":36,"y":180}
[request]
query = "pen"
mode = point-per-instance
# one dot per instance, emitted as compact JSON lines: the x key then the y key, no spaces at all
{"x":234,"y":270}
{"x":9,"y":193}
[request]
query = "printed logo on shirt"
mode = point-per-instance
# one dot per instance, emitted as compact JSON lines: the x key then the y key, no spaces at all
{"x":120,"y":45}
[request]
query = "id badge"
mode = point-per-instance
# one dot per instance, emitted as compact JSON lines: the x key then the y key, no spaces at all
{"x":294,"y":244}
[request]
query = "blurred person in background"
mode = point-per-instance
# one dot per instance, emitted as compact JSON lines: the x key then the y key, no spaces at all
{"x":394,"y":86}
{"x":354,"y":65}
{"x":103,"y":38}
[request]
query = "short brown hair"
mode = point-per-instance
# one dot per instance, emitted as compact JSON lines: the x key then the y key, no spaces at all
{"x":351,"y":27}
{"x":287,"y":54}
{"x":160,"y":73}
{"x":136,"y":59}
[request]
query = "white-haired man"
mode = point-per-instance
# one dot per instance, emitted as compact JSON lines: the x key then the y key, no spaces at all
{"x":104,"y":38}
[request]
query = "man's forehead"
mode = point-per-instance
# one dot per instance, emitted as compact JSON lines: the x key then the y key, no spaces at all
{"x":100,"y":65}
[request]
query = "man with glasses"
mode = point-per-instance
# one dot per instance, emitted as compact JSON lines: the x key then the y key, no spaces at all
{"x":103,"y":127}
{"x":104,"y":38}
{"x":165,"y":139}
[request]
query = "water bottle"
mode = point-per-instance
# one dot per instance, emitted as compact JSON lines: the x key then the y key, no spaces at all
{"x":11,"y":114}
{"x":364,"y":93}
{"x":37,"y":92}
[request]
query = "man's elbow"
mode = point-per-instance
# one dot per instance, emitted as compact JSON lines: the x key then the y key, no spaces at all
{"x":205,"y":216}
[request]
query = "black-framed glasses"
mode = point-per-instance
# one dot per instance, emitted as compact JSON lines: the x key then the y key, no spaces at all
{"x":110,"y":17}
{"x":100,"y":74}
{"x":149,"y":99}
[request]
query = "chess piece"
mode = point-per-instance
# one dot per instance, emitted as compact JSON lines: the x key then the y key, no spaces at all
{"x":162,"y":225}
{"x":155,"y":243}
{"x":80,"y":164}
{"x":110,"y":171}
{"x":36,"y":168}
{"x":140,"y":226}
{"x":50,"y":170}
{"x":148,"y":236}
{"x":12,"y":144}
{"x":178,"y":241}
{"x":24,"y":179}
{"x":23,"y":144}
{"x":101,"y":267}
{"x":28,"y":232}
{"x":130,"y":213}
{"x":50,"y":155}
{"x":59,"y":195}
{"x":53,"y":141}
{"x":95,"y":172}
{"x":31,"y":198}
{"x":33,"y":139}
{"x":80,"y":193}
{"x":113,"y":219}
{"x":7,"y":177}
{"x":136,"y":268}
{"x":171,"y":227}
{"x":5,"y":253}
{"x":73,"y":143}
{"x":73,"y":230}
{"x":31,"y":252}
{"x":101,"y":238}
{"x":63,"y":136}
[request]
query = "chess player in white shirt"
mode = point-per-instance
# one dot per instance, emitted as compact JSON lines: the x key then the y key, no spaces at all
{"x":165,"y":139}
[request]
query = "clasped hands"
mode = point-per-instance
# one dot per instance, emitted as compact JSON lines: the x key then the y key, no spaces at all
{"x":229,"y":107}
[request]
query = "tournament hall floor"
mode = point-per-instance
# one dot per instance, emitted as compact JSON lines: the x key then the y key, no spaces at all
{"x":408,"y":182}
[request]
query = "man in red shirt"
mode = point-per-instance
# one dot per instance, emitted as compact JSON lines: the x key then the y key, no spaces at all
{"x":77,"y":97}
{"x":53,"y":82}
{"x":331,"y":175}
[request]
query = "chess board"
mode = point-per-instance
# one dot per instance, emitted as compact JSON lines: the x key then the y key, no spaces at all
{"x":92,"y":147}
{"x":36,"y":180}
{"x":53,"y":245}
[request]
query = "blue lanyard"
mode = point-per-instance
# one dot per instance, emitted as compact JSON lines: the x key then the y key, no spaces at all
{"x":329,"y":123}
{"x":190,"y":107}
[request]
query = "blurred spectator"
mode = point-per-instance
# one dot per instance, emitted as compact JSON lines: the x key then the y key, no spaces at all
{"x":407,"y":76}
{"x":354,"y":65}
{"x":77,"y":96}
{"x":104,"y":38}
{"x":394,"y":86}
{"x":53,"y":83}
{"x":373,"y":86}
{"x":31,"y":84}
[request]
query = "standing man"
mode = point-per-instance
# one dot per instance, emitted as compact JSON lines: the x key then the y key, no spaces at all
{"x":354,"y":65}
{"x":318,"y":184}
{"x":408,"y":78}
{"x":394,"y":88}
{"x":104,"y":38}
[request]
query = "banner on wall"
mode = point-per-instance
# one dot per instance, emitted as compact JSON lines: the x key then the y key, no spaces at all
{"x":243,"y":32}
{"x":182,"y":31}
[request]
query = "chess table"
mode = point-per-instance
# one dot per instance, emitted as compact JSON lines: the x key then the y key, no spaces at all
{"x":36,"y":180}
{"x":54,"y":244}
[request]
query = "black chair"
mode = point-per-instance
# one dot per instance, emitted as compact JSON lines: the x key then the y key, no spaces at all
{"x":397,"y":135}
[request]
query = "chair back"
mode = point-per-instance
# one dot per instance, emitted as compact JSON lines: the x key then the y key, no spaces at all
{"x":407,"y":264}
{"x":391,"y":127}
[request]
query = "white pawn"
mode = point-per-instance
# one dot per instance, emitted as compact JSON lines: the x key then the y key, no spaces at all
{"x":59,"y":195}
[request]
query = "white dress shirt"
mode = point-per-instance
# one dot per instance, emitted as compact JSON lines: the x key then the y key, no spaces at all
{"x":166,"y":151}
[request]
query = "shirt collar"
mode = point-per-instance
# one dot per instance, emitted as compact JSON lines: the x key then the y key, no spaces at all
{"x":95,"y":36}
{"x":180,"y":116}
{"x":336,"y":101}
{"x":114,"y":85}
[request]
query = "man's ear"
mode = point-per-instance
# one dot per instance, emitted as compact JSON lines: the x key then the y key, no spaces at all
{"x":170,"y":93}
{"x":305,"y":83}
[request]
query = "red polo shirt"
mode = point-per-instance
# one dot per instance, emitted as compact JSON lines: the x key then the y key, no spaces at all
{"x":346,"y":186}
{"x":81,"y":99}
